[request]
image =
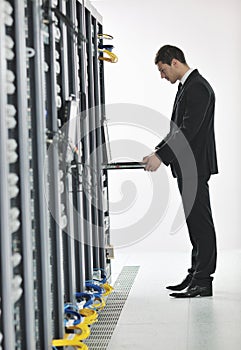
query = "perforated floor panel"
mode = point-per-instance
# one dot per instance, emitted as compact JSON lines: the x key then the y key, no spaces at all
{"x":101,"y":332}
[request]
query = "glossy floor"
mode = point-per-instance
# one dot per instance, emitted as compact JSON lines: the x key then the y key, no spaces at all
{"x":153,"y":320}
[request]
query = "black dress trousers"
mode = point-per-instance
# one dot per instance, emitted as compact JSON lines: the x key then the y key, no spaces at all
{"x":201,"y":230}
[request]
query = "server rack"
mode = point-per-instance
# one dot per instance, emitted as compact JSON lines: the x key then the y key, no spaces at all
{"x":54,"y":220}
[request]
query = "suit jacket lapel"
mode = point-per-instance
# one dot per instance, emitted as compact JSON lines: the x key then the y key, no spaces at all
{"x":180,"y":93}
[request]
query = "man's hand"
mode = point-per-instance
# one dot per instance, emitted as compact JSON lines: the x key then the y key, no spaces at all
{"x":152,"y":162}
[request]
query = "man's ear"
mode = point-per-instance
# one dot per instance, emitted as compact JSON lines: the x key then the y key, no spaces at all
{"x":174,"y":62}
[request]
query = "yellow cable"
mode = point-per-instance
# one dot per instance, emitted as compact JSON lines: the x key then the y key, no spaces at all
{"x":81,"y":329}
{"x":108,"y":289}
{"x":98,"y":304}
{"x":105,"y":36}
{"x":70,"y":340}
{"x":90,"y":316}
{"x":112,"y":57}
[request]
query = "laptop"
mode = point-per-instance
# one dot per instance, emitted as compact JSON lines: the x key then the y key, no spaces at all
{"x":124,"y":165}
{"x":108,"y":164}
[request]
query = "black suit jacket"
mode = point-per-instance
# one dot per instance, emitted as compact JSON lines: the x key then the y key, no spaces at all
{"x":192,"y":117}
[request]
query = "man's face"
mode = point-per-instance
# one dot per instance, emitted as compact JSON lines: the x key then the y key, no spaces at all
{"x":168,"y":72}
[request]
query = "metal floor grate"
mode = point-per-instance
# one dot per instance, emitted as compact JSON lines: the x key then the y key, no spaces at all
{"x":101,"y":332}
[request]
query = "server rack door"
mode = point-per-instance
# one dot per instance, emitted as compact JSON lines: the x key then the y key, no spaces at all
{"x":92,"y":160}
{"x":74,"y":42}
{"x":99,"y":143}
{"x":85,"y":143}
{"x":43,"y":298}
{"x":7,"y":320}
{"x":53,"y":102}
{"x":26,"y":330}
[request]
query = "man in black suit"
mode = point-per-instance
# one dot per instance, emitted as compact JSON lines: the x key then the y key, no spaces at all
{"x":189,"y":148}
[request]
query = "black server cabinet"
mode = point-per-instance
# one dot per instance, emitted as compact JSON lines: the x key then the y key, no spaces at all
{"x":54,"y":216}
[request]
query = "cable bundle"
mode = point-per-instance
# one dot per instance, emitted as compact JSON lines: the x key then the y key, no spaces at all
{"x":80,"y":316}
{"x":107,"y":49}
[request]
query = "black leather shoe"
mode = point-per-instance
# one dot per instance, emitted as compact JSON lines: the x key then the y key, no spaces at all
{"x":185,"y":283}
{"x":194,"y":291}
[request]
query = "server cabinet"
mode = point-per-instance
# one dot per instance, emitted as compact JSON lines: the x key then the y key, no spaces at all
{"x":54,"y":225}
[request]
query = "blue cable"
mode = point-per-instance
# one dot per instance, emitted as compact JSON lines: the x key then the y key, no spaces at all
{"x":89,"y":298}
{"x":99,"y":290}
{"x":68,"y":309}
{"x":94,"y":281}
{"x":69,"y":306}
{"x":106,"y":47}
{"x":100,"y":300}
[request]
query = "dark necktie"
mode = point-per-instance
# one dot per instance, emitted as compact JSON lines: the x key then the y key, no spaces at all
{"x":178,"y":92}
{"x":174,"y":105}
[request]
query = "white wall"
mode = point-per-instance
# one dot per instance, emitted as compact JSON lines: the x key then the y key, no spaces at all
{"x":209,"y":32}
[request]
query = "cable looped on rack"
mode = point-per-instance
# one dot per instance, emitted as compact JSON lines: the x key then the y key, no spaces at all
{"x":112,"y":57}
{"x":82,"y":329}
{"x":90,"y":316}
{"x":72,"y":316}
{"x":108,"y":289}
{"x":98,"y":304}
{"x":85,"y":296}
{"x":70,"y":340}
{"x":97,"y":290}
{"x":105,"y":36}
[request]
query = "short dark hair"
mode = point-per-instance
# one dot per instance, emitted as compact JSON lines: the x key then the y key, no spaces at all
{"x":167,"y":53}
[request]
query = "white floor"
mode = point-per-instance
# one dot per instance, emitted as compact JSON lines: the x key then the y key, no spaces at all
{"x":153,"y":320}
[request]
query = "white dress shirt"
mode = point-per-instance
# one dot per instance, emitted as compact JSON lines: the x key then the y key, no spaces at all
{"x":186,"y":75}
